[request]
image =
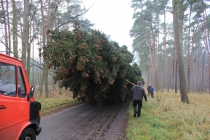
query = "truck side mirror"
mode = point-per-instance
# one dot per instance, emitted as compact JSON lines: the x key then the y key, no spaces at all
{"x":31,"y":94}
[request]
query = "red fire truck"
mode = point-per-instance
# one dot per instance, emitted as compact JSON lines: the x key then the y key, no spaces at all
{"x":19,"y":113}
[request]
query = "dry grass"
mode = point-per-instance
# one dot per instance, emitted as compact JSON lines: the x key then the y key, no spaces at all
{"x":166,"y":117}
{"x":55,"y":102}
{"x":54,"y":93}
{"x":50,"y":105}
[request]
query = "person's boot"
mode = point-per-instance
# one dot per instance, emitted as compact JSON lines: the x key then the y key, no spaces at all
{"x":135,"y":111}
{"x":134,"y":114}
{"x":138,"y":114}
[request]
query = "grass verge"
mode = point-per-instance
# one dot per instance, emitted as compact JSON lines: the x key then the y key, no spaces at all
{"x":166,"y":118}
{"x":51,"y":105}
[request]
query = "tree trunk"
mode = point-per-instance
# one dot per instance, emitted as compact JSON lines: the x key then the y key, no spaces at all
{"x":209,"y":71}
{"x":43,"y":45}
{"x":55,"y":15}
{"x":154,"y":58}
{"x":189,"y":54}
{"x":183,"y":91}
{"x":176,"y":74}
{"x":33,"y":82}
{"x":198,"y":71}
{"x":151,"y":60}
{"x":202,"y":78}
{"x":174,"y":69}
{"x":46,"y":69}
{"x":148,"y":77}
{"x":14,"y":30}
{"x":5,"y":27}
{"x":25,"y":36}
{"x":193,"y":78}
{"x":207,"y":38}
{"x":28,"y":60}
{"x":40,"y":70}
{"x":166,"y":82}
{"x":8,"y":24}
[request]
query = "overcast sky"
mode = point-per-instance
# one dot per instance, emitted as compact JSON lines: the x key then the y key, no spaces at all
{"x":112,"y":17}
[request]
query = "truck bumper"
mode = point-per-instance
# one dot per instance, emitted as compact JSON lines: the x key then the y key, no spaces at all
{"x":38,"y":130}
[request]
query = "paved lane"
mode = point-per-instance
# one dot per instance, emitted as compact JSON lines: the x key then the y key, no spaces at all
{"x":86,"y":122}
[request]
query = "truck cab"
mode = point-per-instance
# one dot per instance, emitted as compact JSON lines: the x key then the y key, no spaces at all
{"x":19,"y":113}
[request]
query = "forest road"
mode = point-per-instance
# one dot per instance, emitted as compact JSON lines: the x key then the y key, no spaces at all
{"x":86,"y":122}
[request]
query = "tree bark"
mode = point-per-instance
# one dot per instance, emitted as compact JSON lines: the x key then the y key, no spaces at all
{"x":198,"y":71}
{"x":183,"y":91}
{"x":206,"y":38}
{"x":25,"y":36}
{"x":43,"y":45}
{"x":5,"y":28}
{"x":174,"y":68}
{"x":28,"y":59}
{"x":209,"y":71}
{"x":33,"y":82}
{"x":154,"y":58}
{"x":176,"y":75}
{"x":202,"y":78}
{"x":44,"y":78}
{"x":46,"y":69}
{"x":166,"y":82}
{"x":8,"y":24}
{"x":189,"y":54}
{"x":14,"y":30}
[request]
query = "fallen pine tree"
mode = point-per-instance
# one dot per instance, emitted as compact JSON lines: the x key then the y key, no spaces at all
{"x":90,"y":65}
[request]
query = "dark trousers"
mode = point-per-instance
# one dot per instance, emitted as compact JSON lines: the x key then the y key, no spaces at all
{"x":137,"y":104}
{"x":152,"y":94}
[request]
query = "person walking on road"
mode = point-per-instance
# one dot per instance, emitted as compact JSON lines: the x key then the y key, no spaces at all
{"x":138,"y":94}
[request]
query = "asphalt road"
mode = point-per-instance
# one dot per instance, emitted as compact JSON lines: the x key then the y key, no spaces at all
{"x":86,"y":122}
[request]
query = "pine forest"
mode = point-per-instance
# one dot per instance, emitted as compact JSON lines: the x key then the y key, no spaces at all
{"x":61,"y":49}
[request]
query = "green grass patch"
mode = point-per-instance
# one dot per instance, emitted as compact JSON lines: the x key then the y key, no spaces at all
{"x":50,"y":105}
{"x":166,"y":118}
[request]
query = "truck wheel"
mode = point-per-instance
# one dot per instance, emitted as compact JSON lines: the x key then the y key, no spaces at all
{"x":28,"y":134}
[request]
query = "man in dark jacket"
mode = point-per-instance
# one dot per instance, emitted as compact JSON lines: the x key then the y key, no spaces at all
{"x":138,"y":94}
{"x":149,"y":88}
